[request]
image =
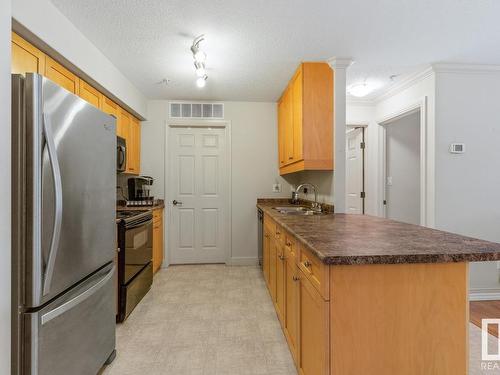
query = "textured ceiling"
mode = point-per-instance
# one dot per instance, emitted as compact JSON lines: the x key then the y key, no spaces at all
{"x":253,"y":47}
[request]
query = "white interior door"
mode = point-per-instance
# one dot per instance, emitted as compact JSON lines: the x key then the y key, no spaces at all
{"x":198,"y":192}
{"x":354,"y":171}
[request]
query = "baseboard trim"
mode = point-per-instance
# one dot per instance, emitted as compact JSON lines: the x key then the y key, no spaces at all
{"x":484,"y":294}
{"x":243,"y":261}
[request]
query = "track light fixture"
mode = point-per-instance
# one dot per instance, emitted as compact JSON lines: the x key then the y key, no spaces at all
{"x":199,"y":61}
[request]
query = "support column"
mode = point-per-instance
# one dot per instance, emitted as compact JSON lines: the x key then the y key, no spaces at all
{"x":339,"y":66}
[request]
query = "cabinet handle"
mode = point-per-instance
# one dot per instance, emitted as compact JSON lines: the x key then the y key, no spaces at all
{"x":290,"y":157}
{"x":266,"y":235}
{"x":295,"y":278}
{"x":307,"y":264}
{"x":288,"y":244}
{"x":281,"y":257}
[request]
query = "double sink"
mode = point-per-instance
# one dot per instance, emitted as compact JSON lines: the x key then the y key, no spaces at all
{"x":298,"y":210}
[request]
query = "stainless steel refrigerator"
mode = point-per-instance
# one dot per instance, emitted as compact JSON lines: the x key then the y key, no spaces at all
{"x":64,"y":231}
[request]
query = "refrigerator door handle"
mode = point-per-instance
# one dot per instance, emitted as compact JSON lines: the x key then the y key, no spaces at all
{"x":58,"y":204}
{"x":52,"y":314}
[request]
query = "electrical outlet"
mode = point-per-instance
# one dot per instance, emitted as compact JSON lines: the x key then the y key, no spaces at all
{"x":276,"y":188}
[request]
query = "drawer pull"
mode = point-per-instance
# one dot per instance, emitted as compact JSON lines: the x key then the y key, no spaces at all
{"x":281,"y":257}
{"x":289,"y":244}
{"x":307,"y":264}
{"x":295,"y":278}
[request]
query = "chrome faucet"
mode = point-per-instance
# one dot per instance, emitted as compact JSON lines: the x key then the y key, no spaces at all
{"x":295,"y":194}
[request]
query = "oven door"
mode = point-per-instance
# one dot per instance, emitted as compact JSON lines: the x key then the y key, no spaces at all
{"x":138,"y":248}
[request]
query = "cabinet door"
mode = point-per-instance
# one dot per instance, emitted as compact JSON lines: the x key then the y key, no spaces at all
{"x":272,"y":268}
{"x":281,"y":133}
{"x":135,"y":140}
{"x":288,"y":131}
{"x":292,"y":292}
{"x":313,"y":330}
{"x":110,"y":107}
{"x":280,"y":282}
{"x":297,"y":115}
{"x":60,"y":75}
{"x":158,"y":241}
{"x":25,"y":57}
{"x":90,"y":94}
{"x":265,"y":254}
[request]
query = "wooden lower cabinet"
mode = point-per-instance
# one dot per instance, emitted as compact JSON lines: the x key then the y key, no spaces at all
{"x":280,"y":283}
{"x":265,"y":254}
{"x":272,"y":268}
{"x":314,"y":332}
{"x":292,"y":295}
{"x":157,"y":239}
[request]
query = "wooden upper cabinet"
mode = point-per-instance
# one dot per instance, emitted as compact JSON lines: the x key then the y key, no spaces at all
{"x":135,"y":140}
{"x":60,"y":75}
{"x":305,"y":120}
{"x":26,"y":58}
{"x":90,"y":94}
{"x":123,"y":126}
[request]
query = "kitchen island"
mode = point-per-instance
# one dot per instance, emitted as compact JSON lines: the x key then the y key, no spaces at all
{"x":365,"y":295}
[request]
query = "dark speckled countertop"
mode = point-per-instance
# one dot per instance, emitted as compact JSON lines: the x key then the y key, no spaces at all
{"x":360,"y":239}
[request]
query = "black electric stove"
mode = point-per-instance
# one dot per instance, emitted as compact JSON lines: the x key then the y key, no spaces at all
{"x":135,"y":253}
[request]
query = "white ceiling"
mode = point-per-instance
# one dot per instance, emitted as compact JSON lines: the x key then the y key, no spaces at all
{"x":253,"y":47}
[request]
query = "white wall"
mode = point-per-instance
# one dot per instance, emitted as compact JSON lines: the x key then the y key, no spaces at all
{"x":5,"y":158}
{"x":467,"y":185}
{"x":254,"y":165}
{"x":44,"y":20}
{"x":403,"y":168}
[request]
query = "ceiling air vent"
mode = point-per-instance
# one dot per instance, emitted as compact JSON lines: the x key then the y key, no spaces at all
{"x":197,"y":110}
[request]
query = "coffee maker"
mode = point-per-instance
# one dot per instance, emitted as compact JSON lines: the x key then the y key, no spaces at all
{"x":139,"y":191}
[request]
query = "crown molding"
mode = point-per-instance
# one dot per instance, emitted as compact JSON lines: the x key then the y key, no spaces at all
{"x":340,"y":62}
{"x":466,"y":68}
{"x":402,"y":85}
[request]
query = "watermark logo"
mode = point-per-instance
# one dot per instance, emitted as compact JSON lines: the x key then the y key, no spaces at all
{"x":489,"y":355}
{"x":485,"y":350}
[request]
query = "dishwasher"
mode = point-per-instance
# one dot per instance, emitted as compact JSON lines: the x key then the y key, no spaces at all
{"x":260,"y":233}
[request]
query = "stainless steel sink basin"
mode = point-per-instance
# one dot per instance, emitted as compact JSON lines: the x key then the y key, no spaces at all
{"x":297,"y":210}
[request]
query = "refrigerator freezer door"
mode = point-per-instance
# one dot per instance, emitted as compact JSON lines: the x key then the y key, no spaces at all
{"x":75,"y":333}
{"x":71,"y":182}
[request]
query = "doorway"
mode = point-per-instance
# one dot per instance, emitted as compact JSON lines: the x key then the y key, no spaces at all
{"x":402,"y":169}
{"x":198,"y":191}
{"x":355,"y":170}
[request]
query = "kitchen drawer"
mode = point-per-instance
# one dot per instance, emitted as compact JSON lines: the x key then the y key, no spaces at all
{"x":316,"y":272}
{"x":290,"y":247}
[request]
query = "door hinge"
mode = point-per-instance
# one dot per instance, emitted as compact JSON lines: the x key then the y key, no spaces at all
{"x":363,"y":194}
{"x":362,"y":145}
{"x":385,"y":202}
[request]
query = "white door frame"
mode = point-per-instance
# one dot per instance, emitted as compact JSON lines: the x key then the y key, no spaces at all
{"x":417,"y":106}
{"x":192,"y":123}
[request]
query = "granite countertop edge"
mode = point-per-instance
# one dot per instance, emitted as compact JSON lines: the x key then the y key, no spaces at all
{"x":402,"y":258}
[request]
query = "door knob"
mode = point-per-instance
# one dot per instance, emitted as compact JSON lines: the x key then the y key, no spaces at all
{"x":176,"y":202}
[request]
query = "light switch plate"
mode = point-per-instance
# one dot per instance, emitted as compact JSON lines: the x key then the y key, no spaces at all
{"x":276,"y":188}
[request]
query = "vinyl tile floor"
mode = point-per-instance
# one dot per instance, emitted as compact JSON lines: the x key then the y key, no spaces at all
{"x":203,"y":319}
{"x":215,"y":320}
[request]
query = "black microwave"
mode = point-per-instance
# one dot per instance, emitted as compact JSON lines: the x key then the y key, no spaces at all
{"x":121,"y":154}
